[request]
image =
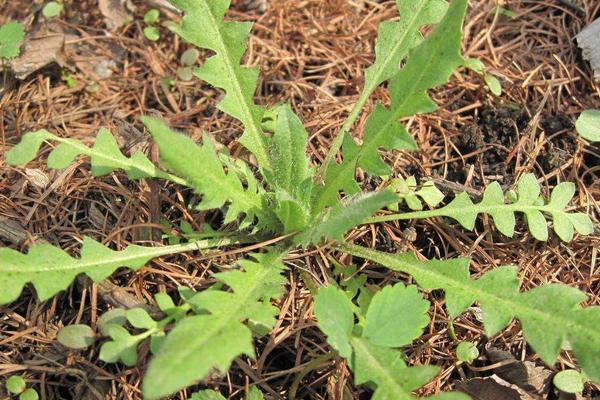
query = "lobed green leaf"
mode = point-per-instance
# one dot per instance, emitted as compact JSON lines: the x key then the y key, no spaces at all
{"x":465,"y":212}
{"x":204,"y":171}
{"x":429,"y":65}
{"x":51,"y":269}
{"x":369,"y":345}
{"x":105,"y":155}
{"x":212,"y":339}
{"x":551,"y":315}
{"x":203,"y":25}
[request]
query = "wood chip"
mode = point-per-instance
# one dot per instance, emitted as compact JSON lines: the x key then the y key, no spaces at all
{"x":37,"y":53}
{"x":11,"y":231}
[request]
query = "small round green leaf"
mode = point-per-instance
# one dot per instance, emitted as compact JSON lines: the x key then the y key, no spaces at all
{"x":588,"y":125}
{"x":76,"y":336}
{"x":475,"y":65}
{"x":29,"y":394}
{"x":151,"y":16}
{"x":152,"y":33}
{"x":569,"y":381}
{"x":15,"y":384}
{"x":117,"y":316}
{"x":139,"y":318}
{"x":165,"y":302}
{"x":189,"y":57}
{"x":12,"y":32}
{"x":185,"y":73}
{"x":467,"y":352}
{"x":52,"y":9}
{"x":493,"y":84}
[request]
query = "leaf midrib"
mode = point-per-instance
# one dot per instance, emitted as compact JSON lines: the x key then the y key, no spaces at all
{"x":382,"y":371}
{"x":253,"y":127}
{"x":123,"y":257}
{"x":231,"y":315}
{"x":476,"y":209}
{"x":411,"y":27}
{"x":126,"y":163}
{"x":409,"y":268}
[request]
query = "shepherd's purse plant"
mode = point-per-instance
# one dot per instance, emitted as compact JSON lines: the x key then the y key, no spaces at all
{"x":286,"y":200}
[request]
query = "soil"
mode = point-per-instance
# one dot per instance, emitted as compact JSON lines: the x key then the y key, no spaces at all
{"x":494,"y":136}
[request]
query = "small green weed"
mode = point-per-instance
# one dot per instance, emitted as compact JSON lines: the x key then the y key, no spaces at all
{"x":288,"y":201}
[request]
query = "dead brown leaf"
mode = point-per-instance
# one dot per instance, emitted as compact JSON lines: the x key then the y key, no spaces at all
{"x":526,"y":375}
{"x":493,"y":388}
{"x":115,"y":14}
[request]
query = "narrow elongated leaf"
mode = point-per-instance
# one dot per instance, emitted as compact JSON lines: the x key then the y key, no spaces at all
{"x":464,"y":211}
{"x":203,"y":25}
{"x":347,"y":215}
{"x":204,"y":171}
{"x":210,"y":341}
{"x":394,"y":41}
{"x":430,"y":65}
{"x":288,"y":152}
{"x":551,"y":315}
{"x":105,"y":155}
{"x":51,"y":269}
{"x":291,"y":175}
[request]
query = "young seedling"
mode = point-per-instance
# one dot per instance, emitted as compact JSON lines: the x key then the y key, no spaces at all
{"x":287,"y":202}
{"x":52,"y":9}
{"x":11,"y":39}
{"x":17,"y":386}
{"x":188,"y":60}
{"x":151,"y":31}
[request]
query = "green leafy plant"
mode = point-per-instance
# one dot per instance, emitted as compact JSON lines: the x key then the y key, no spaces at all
{"x":284,"y":202}
{"x":467,"y":352}
{"x":17,"y":386}
{"x":151,"y":31}
{"x":11,"y":39}
{"x":188,"y":60}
